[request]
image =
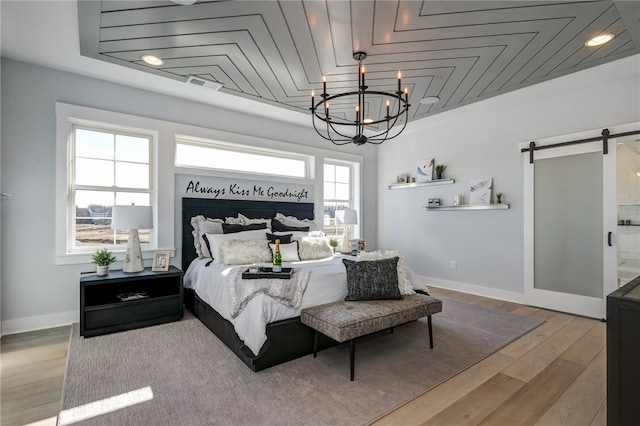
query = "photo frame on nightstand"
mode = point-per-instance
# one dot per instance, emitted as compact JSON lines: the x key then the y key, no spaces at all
{"x":161,"y":260}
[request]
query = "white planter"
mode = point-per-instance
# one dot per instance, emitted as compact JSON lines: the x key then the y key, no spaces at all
{"x":102,"y":270}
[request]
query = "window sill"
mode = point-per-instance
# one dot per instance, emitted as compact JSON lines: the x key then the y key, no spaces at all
{"x":84,"y":258}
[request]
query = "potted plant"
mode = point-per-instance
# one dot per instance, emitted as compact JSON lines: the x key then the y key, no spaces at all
{"x":499,"y":197}
{"x":440,"y":171}
{"x":333,"y":242}
{"x":102,"y":258}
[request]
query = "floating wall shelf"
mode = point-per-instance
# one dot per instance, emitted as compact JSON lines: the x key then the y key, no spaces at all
{"x":418,"y":184}
{"x":471,"y":207}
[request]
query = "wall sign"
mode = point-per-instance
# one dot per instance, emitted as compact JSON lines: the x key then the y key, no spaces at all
{"x":239,"y":189}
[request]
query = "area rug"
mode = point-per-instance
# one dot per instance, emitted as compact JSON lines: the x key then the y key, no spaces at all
{"x":181,"y":374}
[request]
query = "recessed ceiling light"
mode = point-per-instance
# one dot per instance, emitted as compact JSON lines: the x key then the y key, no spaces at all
{"x":599,"y":40}
{"x":429,"y":100}
{"x":152,"y":60}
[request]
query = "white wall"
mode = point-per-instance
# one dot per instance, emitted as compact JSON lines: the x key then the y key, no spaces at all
{"x":481,"y":140}
{"x":35,"y":292}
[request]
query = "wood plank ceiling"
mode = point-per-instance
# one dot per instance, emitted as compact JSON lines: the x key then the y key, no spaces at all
{"x":276,"y":51}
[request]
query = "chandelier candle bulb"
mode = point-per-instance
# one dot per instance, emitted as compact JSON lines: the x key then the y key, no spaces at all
{"x":313,"y":98}
{"x":387,"y":108}
{"x":399,"y":82}
{"x":362,"y":72}
{"x":324,"y":86}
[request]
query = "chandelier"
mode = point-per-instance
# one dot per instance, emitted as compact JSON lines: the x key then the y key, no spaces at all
{"x":337,"y":128}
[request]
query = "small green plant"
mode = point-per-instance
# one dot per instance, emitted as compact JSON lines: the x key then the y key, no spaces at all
{"x":333,"y":242}
{"x":440,"y":170}
{"x":103,"y":257}
{"x":499,"y":197}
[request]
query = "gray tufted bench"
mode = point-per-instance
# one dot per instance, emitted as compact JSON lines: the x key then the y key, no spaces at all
{"x":344,"y":321}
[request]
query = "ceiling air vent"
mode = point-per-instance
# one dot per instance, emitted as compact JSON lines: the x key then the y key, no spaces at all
{"x":196,"y":81}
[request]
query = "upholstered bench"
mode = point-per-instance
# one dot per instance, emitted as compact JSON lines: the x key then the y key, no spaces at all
{"x":345,"y":321}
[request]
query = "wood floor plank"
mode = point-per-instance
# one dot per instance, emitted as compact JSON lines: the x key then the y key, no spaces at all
{"x":601,"y":417}
{"x":580,"y":403}
{"x":538,"y":358}
{"x":527,"y":405}
{"x":30,"y":356}
{"x":588,"y":346}
{"x":553,"y":323}
{"x":525,"y":310}
{"x":479,"y":403}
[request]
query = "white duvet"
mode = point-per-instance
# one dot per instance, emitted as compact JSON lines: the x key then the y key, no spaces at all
{"x":327,"y":283}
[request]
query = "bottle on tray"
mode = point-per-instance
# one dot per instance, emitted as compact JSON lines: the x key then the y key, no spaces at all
{"x":277,"y":258}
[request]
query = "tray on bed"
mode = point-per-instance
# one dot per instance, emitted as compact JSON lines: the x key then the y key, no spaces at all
{"x":267,"y":272}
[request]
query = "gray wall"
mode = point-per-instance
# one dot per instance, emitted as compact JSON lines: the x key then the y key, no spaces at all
{"x":481,"y":140}
{"x":35,"y":292}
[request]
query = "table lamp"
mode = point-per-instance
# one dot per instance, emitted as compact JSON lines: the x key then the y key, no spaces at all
{"x":346,"y":217}
{"x":132,"y":218}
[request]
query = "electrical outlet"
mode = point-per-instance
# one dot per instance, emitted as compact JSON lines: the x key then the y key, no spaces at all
{"x":454,"y":264}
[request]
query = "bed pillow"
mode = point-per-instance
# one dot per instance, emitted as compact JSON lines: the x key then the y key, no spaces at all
{"x":276,"y":225}
{"x":294,"y":221}
{"x":235,"y":220}
{"x":372,"y":279}
{"x":232,"y":228}
{"x":216,"y":240}
{"x":284,"y":238}
{"x":404,"y":283}
{"x":203,"y":225}
{"x":248,"y":221}
{"x":313,"y":248}
{"x":244,"y":252}
{"x":289,"y":252}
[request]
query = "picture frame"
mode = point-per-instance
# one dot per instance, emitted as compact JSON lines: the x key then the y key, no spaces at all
{"x":480,"y":191}
{"x":404,"y":178}
{"x":424,"y":170}
{"x":161,"y":260}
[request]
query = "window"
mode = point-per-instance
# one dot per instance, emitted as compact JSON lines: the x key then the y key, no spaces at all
{"x":108,"y":167}
{"x":338,"y":193}
{"x":208,"y":154}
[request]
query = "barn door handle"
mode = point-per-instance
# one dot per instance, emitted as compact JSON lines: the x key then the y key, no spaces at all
{"x":609,"y":238}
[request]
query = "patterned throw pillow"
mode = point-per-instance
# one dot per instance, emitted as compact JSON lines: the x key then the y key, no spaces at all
{"x":404,"y":283}
{"x":243,"y":252}
{"x":372,"y":279}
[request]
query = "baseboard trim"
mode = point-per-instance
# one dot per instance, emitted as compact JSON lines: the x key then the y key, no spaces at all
{"x":40,"y":322}
{"x":509,"y":296}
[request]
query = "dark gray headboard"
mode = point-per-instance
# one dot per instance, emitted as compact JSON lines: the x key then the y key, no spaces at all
{"x":219,"y":209}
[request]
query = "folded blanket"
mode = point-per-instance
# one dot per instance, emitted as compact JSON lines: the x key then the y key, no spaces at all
{"x":288,"y":292}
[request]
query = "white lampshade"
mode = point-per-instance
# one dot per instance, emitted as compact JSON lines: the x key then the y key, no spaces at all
{"x":347,"y":217}
{"x":132,"y":217}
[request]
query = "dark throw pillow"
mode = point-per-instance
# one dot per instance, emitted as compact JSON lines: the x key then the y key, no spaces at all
{"x":277,"y":226}
{"x":372,"y":279}
{"x":232,"y":228}
{"x":284,"y":238}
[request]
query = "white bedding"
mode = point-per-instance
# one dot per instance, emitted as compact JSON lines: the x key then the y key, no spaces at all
{"x":327,"y":283}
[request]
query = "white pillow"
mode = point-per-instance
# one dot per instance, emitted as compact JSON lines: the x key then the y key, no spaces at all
{"x":244,"y":252}
{"x":233,"y":220}
{"x":289,"y":252}
{"x":248,"y":221}
{"x":216,"y":240}
{"x":294,"y":221}
{"x":314,"y":248}
{"x":404,"y":284}
{"x":204,"y":225}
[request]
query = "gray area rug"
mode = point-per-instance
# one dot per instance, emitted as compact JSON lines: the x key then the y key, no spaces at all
{"x":181,"y":374}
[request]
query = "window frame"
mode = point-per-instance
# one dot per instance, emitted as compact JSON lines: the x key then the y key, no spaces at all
{"x":353,"y":193}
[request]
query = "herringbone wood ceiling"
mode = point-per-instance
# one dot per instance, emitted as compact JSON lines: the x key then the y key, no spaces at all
{"x":276,"y":51}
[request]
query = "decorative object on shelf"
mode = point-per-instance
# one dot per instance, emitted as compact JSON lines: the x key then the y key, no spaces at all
{"x":499,"y":197}
{"x":132,"y":218}
{"x":419,"y":184}
{"x":161,"y":260}
{"x":347,"y":217}
{"x":361,"y":245}
{"x":480,"y":191}
{"x":433,"y":202}
{"x":102,"y":258}
{"x":402,"y":179}
{"x":440,"y":171}
{"x":470,"y":207}
{"x":425,"y":170}
{"x":334,"y":243}
{"x":458,"y":200}
{"x":393,"y":123}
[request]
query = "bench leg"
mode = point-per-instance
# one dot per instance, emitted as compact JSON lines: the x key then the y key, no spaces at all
{"x":315,"y":344}
{"x":352,"y":356}
{"x":430,"y":331}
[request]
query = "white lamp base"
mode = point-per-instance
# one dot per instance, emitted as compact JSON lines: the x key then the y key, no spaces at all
{"x":133,"y":256}
{"x":346,"y":240}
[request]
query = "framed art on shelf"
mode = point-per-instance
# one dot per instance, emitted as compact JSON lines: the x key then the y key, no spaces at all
{"x":480,"y":191}
{"x":160,"y":261}
{"x":424,"y":171}
{"x":402,"y":179}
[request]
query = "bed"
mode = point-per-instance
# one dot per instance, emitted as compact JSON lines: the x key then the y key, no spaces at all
{"x":265,"y":333}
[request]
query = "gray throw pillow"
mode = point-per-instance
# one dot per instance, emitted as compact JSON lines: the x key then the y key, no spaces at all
{"x":372,"y":279}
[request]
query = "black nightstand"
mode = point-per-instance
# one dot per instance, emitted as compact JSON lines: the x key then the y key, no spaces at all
{"x":123,"y":301}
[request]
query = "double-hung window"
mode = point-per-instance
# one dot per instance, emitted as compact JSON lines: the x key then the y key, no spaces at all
{"x":108,"y":167}
{"x":338,"y":193}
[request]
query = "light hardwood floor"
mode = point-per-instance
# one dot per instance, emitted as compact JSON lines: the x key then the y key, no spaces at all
{"x":555,"y":374}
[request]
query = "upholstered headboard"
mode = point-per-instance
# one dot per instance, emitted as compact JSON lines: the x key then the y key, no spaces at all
{"x":219,"y":209}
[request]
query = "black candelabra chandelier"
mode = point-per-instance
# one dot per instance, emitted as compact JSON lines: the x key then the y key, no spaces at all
{"x":393,"y":122}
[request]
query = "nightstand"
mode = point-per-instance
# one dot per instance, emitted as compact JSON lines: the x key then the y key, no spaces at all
{"x":123,"y":301}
